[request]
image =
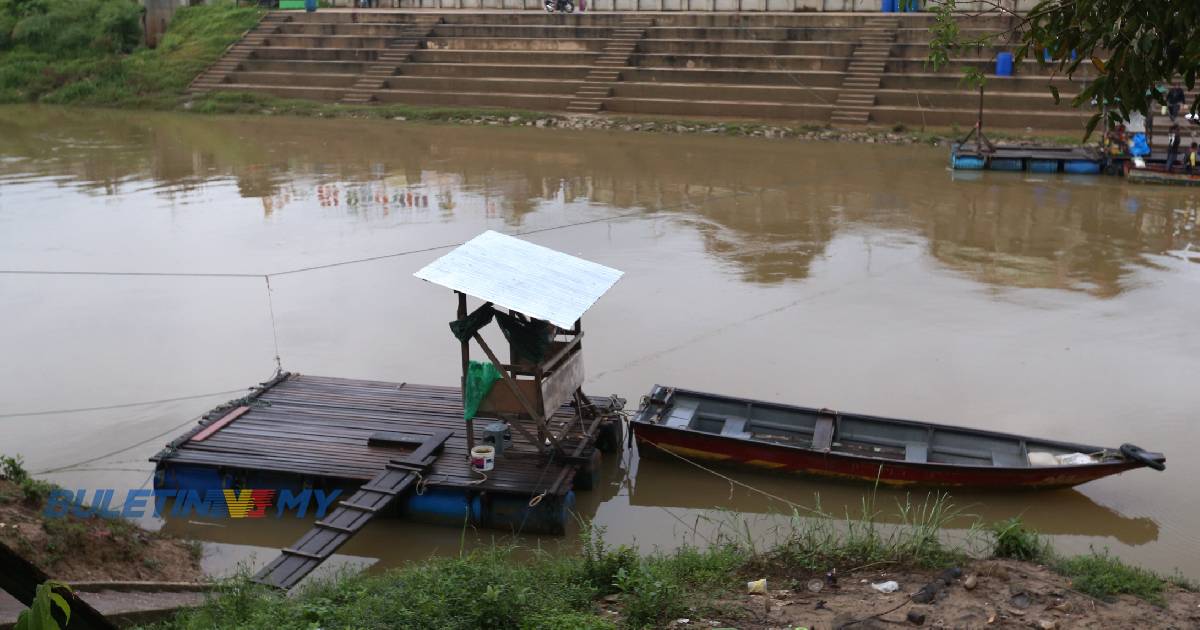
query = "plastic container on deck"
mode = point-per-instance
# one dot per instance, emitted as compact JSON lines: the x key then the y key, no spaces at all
{"x":1004,"y":64}
{"x":888,"y":6}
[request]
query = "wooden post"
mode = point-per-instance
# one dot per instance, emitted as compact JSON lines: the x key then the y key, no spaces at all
{"x":466,"y":362}
{"x":20,"y":578}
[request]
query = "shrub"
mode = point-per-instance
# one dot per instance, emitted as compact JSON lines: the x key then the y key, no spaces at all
{"x":1012,"y":540}
{"x":649,"y":594}
{"x":1103,"y":576}
{"x":64,"y":28}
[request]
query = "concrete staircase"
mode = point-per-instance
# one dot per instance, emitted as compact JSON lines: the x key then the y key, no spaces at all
{"x":399,"y":50}
{"x":217,"y":73}
{"x":598,"y":84}
{"x":838,"y":68}
{"x":864,"y":74}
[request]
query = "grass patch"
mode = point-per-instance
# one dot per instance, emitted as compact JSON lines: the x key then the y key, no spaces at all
{"x":818,"y":542}
{"x":1103,"y":576}
{"x":115,"y":73}
{"x":31,"y":491}
{"x":485,"y":589}
{"x":1011,"y":539}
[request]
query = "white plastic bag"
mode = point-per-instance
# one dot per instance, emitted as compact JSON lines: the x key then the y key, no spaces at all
{"x":889,"y":586}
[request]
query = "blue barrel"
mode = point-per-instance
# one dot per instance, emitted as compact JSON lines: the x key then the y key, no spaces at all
{"x":967,"y":162}
{"x":888,"y":6}
{"x":1004,"y":64}
{"x":1043,"y":166}
{"x":1007,"y":164}
{"x":1081,"y":167}
{"x":310,"y":5}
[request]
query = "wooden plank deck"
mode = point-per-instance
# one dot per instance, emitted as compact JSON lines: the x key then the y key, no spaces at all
{"x":320,"y":427}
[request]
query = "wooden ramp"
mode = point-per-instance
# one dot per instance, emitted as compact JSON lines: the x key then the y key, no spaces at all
{"x":351,"y":515}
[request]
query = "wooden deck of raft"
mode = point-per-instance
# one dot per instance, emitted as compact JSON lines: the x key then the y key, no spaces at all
{"x":319,"y":427}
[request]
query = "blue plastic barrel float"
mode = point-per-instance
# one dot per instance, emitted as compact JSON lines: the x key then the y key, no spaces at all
{"x":1081,"y":167}
{"x":967,"y":162}
{"x":310,"y":5}
{"x":888,"y":6}
{"x":1007,"y":164}
{"x":1043,"y":166}
{"x":1004,"y":64}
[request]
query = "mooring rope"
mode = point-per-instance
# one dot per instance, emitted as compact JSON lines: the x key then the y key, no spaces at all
{"x":142,"y":403}
{"x":274,"y":331}
{"x":731,"y":480}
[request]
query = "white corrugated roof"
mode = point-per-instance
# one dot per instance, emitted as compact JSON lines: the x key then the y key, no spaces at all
{"x":530,"y":279}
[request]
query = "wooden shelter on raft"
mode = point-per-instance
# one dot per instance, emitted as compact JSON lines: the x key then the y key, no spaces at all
{"x":537,"y":297}
{"x":403,"y":448}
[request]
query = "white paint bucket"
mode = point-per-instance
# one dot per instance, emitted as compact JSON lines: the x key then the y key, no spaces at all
{"x":483,"y":458}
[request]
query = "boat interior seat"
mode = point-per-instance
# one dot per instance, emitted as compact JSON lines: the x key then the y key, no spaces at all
{"x":916,"y":452}
{"x":1009,"y":460}
{"x":735,"y":428}
{"x":682,"y":414}
{"x":823,"y":434}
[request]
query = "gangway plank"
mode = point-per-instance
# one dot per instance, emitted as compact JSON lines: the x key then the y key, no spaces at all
{"x":351,"y":515}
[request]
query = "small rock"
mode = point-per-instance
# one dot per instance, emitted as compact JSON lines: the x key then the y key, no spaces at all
{"x":1064,"y":606}
{"x":401,"y":118}
{"x":970,"y":583}
{"x":1020,"y":601}
{"x":916,"y":617}
{"x":1047,"y":624}
{"x":815,"y":586}
{"x":611,"y":598}
{"x":513,"y":119}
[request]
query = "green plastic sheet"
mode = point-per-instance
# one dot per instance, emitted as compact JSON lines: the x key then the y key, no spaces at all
{"x":480,"y":379}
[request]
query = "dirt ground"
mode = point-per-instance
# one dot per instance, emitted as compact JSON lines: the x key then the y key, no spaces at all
{"x":74,"y":549}
{"x":1003,"y":594}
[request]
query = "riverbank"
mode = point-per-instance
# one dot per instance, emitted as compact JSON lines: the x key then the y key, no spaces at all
{"x":819,"y":571}
{"x":824,"y":574}
{"x":86,"y":75}
{"x":75,"y":549}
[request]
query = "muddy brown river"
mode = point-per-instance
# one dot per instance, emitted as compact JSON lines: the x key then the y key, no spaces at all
{"x":858,"y":277}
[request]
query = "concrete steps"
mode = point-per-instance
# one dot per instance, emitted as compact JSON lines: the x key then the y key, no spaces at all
{"x":849,"y":69}
{"x":864,"y":73}
{"x":399,"y":50}
{"x":590,"y":98}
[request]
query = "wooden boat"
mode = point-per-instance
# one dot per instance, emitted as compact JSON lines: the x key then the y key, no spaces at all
{"x":710,"y":427}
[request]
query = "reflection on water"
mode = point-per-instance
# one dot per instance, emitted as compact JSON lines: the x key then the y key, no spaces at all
{"x":863,"y":277}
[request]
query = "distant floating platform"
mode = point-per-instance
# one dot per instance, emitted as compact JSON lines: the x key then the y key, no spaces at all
{"x":300,"y":431}
{"x":1032,"y":158}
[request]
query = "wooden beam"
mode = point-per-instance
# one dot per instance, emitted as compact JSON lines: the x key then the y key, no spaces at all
{"x":466,"y":361}
{"x":558,"y":356}
{"x":20,"y":578}
{"x":516,"y":390}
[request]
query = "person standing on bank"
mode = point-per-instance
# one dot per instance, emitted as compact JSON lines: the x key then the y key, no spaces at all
{"x":1175,"y":100}
{"x":1172,"y":146}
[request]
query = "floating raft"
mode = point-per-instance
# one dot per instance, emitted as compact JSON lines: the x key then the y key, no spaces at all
{"x":1147,"y":176}
{"x":300,"y":431}
{"x":1032,"y":158}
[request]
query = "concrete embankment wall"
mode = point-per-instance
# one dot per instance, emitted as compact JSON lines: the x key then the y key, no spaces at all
{"x":788,"y":6}
{"x":822,"y":67}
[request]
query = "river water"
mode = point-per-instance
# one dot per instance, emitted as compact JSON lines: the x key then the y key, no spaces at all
{"x":858,"y":277}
